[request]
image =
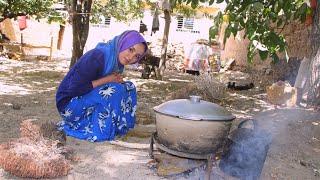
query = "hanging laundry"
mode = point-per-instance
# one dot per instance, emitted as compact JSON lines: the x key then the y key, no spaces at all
{"x":155,"y":21}
{"x":22,"y":22}
{"x":143,"y":27}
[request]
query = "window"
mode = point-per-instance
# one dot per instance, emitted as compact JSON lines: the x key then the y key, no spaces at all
{"x":104,"y":23}
{"x":188,"y":23}
{"x":107,"y":20}
{"x":185,"y":23}
{"x":180,"y":22}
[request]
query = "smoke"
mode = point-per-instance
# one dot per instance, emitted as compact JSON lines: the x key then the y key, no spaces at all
{"x":279,"y":136}
{"x":284,"y":134}
{"x":246,"y":153}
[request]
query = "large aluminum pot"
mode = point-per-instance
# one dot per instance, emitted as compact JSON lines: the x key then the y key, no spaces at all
{"x":192,"y":125}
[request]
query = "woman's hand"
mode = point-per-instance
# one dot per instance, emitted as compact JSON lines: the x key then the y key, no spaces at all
{"x":114,"y":77}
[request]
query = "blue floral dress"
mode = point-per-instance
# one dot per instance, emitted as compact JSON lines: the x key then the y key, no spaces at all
{"x":102,"y":114}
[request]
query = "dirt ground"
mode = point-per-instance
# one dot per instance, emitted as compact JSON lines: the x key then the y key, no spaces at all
{"x":27,"y":91}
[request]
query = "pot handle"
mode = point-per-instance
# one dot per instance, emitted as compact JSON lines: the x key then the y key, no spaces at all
{"x":242,"y":123}
{"x":234,"y":134}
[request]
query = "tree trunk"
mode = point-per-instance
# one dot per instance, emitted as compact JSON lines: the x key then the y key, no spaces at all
{"x":314,"y":80}
{"x":80,"y":27}
{"x":60,"y":36}
{"x":162,"y":64}
{"x":313,"y":98}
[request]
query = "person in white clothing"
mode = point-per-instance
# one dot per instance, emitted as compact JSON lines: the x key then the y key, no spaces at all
{"x":197,"y":57}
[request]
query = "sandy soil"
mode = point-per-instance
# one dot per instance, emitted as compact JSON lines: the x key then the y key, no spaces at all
{"x":27,"y":91}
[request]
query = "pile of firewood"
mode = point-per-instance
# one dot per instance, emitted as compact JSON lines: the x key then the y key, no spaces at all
{"x":281,"y":93}
{"x":32,"y":155}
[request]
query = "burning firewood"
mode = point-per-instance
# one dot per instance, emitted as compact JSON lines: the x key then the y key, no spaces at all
{"x":33,"y":155}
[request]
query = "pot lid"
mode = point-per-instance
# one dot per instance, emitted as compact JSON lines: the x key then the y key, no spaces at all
{"x":194,"y":109}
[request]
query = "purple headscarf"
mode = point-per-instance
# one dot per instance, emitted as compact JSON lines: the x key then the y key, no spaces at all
{"x":129,"y":39}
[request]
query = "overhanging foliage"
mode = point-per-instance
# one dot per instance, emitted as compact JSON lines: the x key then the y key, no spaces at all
{"x":14,"y":8}
{"x":261,"y":21}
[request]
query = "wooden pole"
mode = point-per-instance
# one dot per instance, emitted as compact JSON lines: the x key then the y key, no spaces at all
{"x":60,"y":36}
{"x":51,"y":46}
{"x":21,"y":38}
{"x":21,"y":43}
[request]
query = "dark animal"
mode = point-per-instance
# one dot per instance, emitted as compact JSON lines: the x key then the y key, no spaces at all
{"x":4,"y":38}
{"x":146,"y":72}
{"x":150,"y":64}
{"x":233,"y":86}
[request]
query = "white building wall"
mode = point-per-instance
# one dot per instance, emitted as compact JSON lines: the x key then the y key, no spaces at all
{"x":103,"y":34}
{"x":39,"y":33}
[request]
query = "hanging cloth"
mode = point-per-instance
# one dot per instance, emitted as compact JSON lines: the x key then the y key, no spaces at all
{"x":22,"y":22}
{"x":155,"y":21}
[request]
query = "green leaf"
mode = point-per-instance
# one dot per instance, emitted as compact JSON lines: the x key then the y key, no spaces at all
{"x":273,"y":16}
{"x":219,"y":1}
{"x":234,"y":29}
{"x":194,"y":4}
{"x":288,"y":15}
{"x":280,"y":5}
{"x":279,"y":23}
{"x":301,"y":12}
{"x":303,"y":18}
{"x":275,"y":58}
{"x":241,"y":21}
{"x":211,"y":2}
{"x":213,"y":32}
{"x":258,"y":6}
{"x":309,"y":11}
{"x":228,"y":31}
{"x":179,"y":1}
{"x":263,"y":54}
{"x":227,"y":34}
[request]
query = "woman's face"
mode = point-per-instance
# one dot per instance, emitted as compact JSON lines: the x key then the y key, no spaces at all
{"x":132,"y":54}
